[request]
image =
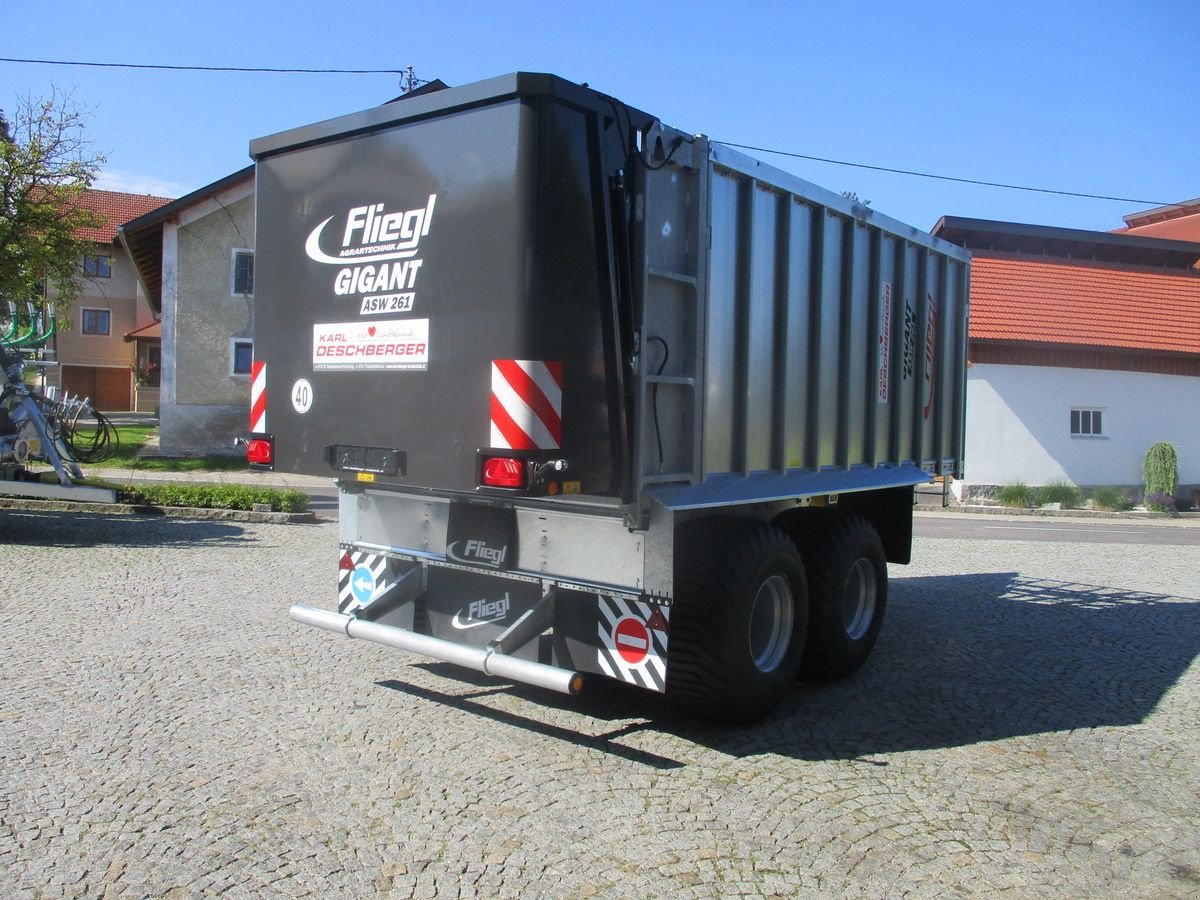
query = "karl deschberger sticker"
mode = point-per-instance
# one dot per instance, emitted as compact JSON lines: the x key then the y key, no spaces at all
{"x":359,"y":346}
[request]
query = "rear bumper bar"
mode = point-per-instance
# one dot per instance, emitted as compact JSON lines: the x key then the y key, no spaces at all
{"x":481,"y":659}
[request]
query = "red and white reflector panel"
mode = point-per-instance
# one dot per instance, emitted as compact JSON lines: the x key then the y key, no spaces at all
{"x":526,"y":404}
{"x":258,"y":397}
{"x":633,"y":638}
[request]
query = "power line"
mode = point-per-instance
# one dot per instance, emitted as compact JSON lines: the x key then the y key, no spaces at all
{"x":103,"y":65}
{"x":412,"y":82}
{"x":995,"y":184}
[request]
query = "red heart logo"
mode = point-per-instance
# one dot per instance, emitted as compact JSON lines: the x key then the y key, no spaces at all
{"x":371,"y":331}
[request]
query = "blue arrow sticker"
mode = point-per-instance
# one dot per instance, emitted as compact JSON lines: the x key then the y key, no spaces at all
{"x":362,"y":583}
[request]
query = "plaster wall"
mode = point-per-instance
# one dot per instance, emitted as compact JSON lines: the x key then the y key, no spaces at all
{"x":119,"y":294}
{"x":1018,"y":425}
{"x":204,"y":406}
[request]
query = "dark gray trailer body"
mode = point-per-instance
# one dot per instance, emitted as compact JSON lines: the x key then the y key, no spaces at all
{"x":560,"y":356}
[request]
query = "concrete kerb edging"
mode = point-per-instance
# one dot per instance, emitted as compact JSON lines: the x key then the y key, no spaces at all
{"x":177,"y":512}
{"x":1143,"y":517}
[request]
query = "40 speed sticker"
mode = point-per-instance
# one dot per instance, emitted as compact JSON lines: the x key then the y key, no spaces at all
{"x":302,"y":396}
{"x":359,"y":346}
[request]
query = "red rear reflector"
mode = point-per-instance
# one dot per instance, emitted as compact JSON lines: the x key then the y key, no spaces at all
{"x":346,"y":564}
{"x":258,"y":452}
{"x":504,"y":471}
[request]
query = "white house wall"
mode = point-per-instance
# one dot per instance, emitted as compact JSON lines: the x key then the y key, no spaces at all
{"x":1018,"y":425}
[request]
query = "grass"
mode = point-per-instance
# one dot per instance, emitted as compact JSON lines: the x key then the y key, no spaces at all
{"x":1018,"y":495}
{"x":1061,"y":492}
{"x":132,"y":438}
{"x":1109,"y":499}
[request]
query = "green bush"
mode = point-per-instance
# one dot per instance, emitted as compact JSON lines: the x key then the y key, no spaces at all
{"x":1062,"y":492}
{"x":1161,"y":469}
{"x":1109,"y":499}
{"x":215,"y":496}
{"x":1015,"y":495}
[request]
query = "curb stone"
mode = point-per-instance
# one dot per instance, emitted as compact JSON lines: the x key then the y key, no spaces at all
{"x":180,"y":512}
{"x":1142,"y":516}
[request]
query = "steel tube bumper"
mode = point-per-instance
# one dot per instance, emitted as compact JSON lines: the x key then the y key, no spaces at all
{"x":480,"y":659}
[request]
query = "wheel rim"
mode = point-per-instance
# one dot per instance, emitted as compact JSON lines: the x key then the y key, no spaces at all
{"x":859,"y":598}
{"x":771,"y":621}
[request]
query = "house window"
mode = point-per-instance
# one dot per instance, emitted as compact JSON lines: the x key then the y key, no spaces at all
{"x":99,"y":266}
{"x":97,"y":321}
{"x":241,"y":356}
{"x":243,"y":272}
{"x":1087,"y":423}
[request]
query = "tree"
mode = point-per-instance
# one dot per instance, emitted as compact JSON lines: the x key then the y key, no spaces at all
{"x":46,"y":165}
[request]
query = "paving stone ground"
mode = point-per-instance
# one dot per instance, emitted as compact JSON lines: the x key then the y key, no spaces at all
{"x":1028,"y":725}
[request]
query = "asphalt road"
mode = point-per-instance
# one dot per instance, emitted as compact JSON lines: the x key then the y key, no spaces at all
{"x":974,"y":526}
{"x":1027,"y":726}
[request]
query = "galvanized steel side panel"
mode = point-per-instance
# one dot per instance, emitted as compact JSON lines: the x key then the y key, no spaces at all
{"x":835,"y":338}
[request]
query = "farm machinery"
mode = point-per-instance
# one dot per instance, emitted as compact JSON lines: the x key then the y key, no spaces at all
{"x":38,"y":429}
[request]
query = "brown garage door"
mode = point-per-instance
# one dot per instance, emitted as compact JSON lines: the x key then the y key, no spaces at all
{"x":108,"y":388}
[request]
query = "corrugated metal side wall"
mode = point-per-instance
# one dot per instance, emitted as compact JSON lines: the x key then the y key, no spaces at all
{"x":831,"y":341}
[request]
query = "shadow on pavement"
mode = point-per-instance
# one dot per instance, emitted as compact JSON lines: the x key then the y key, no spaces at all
{"x":76,"y":529}
{"x":961,"y":660}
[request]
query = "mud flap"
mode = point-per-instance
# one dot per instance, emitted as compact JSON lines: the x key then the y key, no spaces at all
{"x":474,"y":609}
{"x":379,"y":588}
{"x":611,"y":635}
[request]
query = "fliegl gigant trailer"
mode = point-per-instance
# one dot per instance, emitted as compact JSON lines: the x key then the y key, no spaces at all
{"x":601,"y":397}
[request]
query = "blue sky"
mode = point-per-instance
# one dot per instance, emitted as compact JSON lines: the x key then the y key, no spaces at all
{"x":1094,"y":97}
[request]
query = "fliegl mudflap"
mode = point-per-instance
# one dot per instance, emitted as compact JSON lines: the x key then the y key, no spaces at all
{"x":601,"y":397}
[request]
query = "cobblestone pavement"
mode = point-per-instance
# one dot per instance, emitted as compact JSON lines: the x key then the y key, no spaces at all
{"x":1028,"y":724}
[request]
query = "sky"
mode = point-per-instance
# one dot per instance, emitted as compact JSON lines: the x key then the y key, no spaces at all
{"x":1094,"y":97}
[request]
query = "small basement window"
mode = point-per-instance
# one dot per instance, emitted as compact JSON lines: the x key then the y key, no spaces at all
{"x":241,"y":356}
{"x":1087,"y":423}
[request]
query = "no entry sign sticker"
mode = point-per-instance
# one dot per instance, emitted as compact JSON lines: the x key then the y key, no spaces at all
{"x":632,"y":640}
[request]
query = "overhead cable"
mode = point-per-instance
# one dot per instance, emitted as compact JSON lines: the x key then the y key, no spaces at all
{"x":105,"y":65}
{"x":995,"y":184}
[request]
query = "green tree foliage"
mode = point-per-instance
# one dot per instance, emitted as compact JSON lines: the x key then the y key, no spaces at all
{"x":1161,"y":469}
{"x":46,"y":165}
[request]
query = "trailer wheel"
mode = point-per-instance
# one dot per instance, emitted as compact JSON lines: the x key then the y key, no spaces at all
{"x":847,"y":574}
{"x":739,"y":621}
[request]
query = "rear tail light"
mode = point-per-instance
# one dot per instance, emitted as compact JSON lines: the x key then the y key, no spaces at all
{"x":503,"y":472}
{"x":260,"y":452}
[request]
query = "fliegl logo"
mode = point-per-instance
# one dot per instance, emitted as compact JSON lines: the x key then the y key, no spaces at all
{"x":473,"y":551}
{"x":378,"y":250}
{"x":482,"y":612}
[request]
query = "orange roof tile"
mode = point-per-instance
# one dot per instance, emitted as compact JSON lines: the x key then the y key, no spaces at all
{"x":1183,"y":228}
{"x":117,"y":208}
{"x":1084,"y":305}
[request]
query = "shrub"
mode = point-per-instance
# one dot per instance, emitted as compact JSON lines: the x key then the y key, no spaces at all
{"x":1109,"y":499}
{"x":1062,"y":492}
{"x":1015,"y":495}
{"x":1161,"y":469}
{"x":1160,"y":502}
{"x":216,"y":496}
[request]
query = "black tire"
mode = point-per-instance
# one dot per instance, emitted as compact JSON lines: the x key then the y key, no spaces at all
{"x":739,"y":621}
{"x":847,"y":579}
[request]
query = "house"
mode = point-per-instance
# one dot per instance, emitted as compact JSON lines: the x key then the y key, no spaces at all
{"x":194,"y":258}
{"x":1177,"y":222}
{"x":94,"y":358}
{"x":1084,"y":349}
